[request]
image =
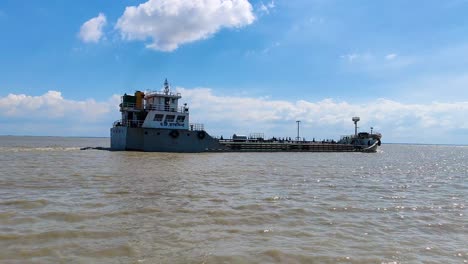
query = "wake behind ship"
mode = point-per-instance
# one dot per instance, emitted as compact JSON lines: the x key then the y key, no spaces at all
{"x":154,"y":122}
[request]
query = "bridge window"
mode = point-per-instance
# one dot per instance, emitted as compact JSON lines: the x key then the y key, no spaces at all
{"x":158,"y":117}
{"x":170,"y":118}
{"x":180,"y":119}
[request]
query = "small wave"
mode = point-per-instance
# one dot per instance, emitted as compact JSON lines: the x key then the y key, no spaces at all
{"x":22,"y":254}
{"x":296,"y":211}
{"x":123,"y":250}
{"x":26,"y":204}
{"x":234,"y":231}
{"x":132,"y":212}
{"x":270,"y":256}
{"x":254,"y":207}
{"x":17,"y":220}
{"x":55,"y":251}
{"x":7,"y":215}
{"x":120,"y":192}
{"x":58,"y":234}
{"x":274,"y":198}
{"x":76,"y":217}
{"x":94,"y":205}
{"x":66,"y":217}
{"x":218,"y":213}
{"x":29,"y":149}
{"x":218,"y":200}
{"x":228,"y":221}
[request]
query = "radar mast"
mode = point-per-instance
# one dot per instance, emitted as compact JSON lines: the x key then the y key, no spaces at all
{"x":166,"y":87}
{"x":356,"y":120}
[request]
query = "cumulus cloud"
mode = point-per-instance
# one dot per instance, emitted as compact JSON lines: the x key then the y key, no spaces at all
{"x":170,"y":23}
{"x":224,"y":115}
{"x":52,"y":114}
{"x":92,"y":30}
{"x":52,"y":105}
{"x":398,"y":122}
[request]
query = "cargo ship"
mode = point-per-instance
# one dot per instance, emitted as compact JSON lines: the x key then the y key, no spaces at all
{"x":153,"y":121}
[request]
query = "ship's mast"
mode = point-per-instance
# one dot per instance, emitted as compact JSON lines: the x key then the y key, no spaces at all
{"x":298,"y":123}
{"x":166,"y":87}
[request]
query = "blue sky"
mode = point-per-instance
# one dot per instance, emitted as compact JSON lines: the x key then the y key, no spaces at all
{"x":244,"y":66}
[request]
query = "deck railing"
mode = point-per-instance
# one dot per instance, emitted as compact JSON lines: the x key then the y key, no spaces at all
{"x":127,"y":105}
{"x":157,"y":107}
{"x":167,"y":108}
{"x":197,"y":127}
{"x":150,"y":93}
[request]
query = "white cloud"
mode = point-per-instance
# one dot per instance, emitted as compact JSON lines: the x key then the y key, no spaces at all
{"x":391,"y":56}
{"x":170,"y":23}
{"x":91,"y":30}
{"x":352,"y":57}
{"x":399,"y":122}
{"x":378,"y":64}
{"x":265,"y":8}
{"x":224,"y":115}
{"x":368,"y":57}
{"x":52,"y":106}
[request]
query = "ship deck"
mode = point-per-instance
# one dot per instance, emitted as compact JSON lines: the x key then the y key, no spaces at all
{"x":277,"y":146}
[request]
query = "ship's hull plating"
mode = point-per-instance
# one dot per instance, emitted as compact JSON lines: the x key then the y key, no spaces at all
{"x":162,"y":140}
{"x":166,"y":140}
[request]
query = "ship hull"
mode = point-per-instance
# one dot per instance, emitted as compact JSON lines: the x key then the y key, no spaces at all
{"x":163,"y":140}
{"x":188,"y":141}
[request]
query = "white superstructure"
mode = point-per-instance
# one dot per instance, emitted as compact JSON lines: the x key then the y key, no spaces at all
{"x":155,"y":109}
{"x":164,"y":111}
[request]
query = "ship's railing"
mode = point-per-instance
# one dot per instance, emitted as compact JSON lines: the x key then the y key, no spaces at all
{"x":128,"y":123}
{"x":167,"y":108}
{"x":150,"y":93}
{"x":127,"y":105}
{"x":257,"y":136}
{"x":158,"y":107}
{"x":373,"y":135}
{"x":279,"y":140}
{"x":197,"y":127}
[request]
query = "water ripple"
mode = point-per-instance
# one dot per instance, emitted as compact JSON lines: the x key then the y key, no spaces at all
{"x":405,"y":204}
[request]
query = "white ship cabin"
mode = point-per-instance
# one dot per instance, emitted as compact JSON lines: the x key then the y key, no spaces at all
{"x":163,"y":110}
{"x":156,"y":109}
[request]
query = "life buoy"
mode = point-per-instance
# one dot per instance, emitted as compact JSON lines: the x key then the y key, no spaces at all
{"x":174,"y":133}
{"x":201,"y":134}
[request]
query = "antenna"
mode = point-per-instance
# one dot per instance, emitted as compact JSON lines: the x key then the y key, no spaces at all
{"x":298,"y":137}
{"x":166,"y":87}
{"x":356,"y":120}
